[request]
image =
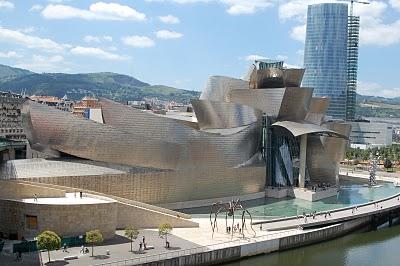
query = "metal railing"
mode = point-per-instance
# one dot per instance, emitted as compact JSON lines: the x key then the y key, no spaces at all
{"x":197,"y":250}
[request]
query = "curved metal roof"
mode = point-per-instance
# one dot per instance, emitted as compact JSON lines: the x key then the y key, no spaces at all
{"x":298,"y":129}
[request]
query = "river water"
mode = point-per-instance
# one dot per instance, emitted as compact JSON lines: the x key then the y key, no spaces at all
{"x":375,"y":248}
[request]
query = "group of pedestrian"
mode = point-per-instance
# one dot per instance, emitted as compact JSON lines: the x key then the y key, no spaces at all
{"x":143,"y":244}
{"x":327,"y":214}
{"x":236,"y":228}
{"x":84,"y":250}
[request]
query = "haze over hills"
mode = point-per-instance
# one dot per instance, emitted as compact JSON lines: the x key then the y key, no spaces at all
{"x":106,"y":84}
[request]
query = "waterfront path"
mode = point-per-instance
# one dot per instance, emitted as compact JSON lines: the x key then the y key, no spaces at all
{"x":334,"y":216}
{"x":380,"y":175}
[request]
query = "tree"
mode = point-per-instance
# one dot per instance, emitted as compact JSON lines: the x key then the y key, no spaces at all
{"x":94,"y":237}
{"x":132,"y":233}
{"x":164,"y":230}
{"x":48,"y":240}
{"x":387,"y":164}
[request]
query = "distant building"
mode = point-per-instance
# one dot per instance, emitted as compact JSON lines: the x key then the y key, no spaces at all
{"x":370,"y":134}
{"x":10,"y":116}
{"x":325,"y":55}
{"x":352,"y":66}
{"x":12,"y":134}
{"x":89,"y":108}
{"x":62,"y":104}
{"x":268,"y":63}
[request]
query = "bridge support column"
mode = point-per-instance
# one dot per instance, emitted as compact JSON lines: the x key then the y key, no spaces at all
{"x":303,"y":161}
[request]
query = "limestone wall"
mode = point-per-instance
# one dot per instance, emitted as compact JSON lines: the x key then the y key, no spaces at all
{"x":65,"y":220}
{"x":170,"y":186}
{"x":139,"y":214}
{"x":17,"y":190}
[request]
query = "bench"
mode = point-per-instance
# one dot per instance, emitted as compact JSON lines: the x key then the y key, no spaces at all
{"x":72,"y":257}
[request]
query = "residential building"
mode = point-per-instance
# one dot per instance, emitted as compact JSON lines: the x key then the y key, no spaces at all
{"x":89,"y":108}
{"x":12,"y":133}
{"x":62,"y":104}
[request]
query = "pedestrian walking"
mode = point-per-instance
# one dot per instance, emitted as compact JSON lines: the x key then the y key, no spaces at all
{"x":35,"y":197}
{"x":81,"y":194}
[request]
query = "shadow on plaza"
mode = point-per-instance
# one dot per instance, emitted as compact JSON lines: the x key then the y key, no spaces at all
{"x":56,"y":263}
{"x":116,"y":240}
{"x":101,"y":257}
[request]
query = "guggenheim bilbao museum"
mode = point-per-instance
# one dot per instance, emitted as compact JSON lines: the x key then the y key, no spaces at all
{"x":263,"y":135}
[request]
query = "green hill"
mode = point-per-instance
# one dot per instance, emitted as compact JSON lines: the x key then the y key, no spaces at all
{"x":9,"y":73}
{"x":106,"y":84}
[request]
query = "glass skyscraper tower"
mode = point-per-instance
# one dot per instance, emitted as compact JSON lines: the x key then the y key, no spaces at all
{"x":326,"y":53}
{"x":352,"y":66}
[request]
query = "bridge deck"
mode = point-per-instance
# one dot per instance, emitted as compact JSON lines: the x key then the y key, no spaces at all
{"x":336,"y":216}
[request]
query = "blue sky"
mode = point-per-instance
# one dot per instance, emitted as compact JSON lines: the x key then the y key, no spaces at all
{"x":182,"y":42}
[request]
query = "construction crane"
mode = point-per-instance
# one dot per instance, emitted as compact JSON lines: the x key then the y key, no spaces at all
{"x":352,"y":4}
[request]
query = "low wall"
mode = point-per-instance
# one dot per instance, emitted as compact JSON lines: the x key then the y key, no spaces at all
{"x":323,"y":234}
{"x":20,"y":190}
{"x":211,"y":257}
{"x":209,"y":202}
{"x":145,"y":218}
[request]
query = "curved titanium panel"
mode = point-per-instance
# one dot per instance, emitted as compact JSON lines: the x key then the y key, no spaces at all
{"x":268,"y":78}
{"x":199,"y":147}
{"x":223,"y":115}
{"x":325,"y":153}
{"x":316,"y":110}
{"x":218,"y":88}
{"x":269,"y":101}
{"x":136,"y":138}
{"x":292,"y":77}
{"x":295,"y":104}
{"x":298,"y":129}
{"x":61,"y":131}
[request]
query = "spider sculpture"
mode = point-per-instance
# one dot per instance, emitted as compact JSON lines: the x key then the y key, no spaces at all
{"x":229,"y":209}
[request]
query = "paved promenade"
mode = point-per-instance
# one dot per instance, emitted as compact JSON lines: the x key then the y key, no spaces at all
{"x":380,"y":175}
{"x":332,"y":217}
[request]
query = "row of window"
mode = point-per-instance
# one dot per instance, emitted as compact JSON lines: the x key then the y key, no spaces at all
{"x":11,"y":130}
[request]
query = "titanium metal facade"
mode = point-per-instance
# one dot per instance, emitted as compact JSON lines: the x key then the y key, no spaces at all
{"x":223,"y":155}
{"x":325,"y":55}
{"x":352,"y":66}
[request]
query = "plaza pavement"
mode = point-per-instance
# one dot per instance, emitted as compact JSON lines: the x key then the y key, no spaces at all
{"x":119,"y":248}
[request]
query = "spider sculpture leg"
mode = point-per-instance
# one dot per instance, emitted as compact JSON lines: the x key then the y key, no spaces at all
{"x":243,"y":222}
{"x":251,"y":222}
{"x":226,"y":220}
{"x":215,"y":220}
{"x":211,"y":222}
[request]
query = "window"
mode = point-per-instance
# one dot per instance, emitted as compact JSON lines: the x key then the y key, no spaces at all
{"x":31,"y":222}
